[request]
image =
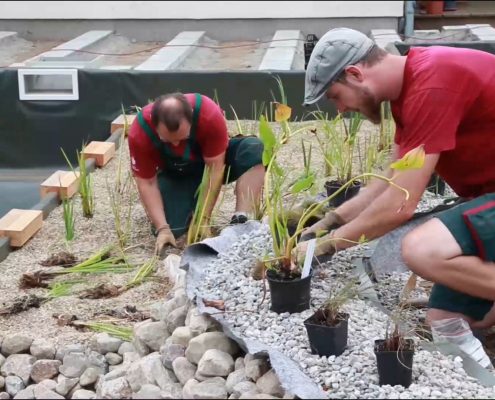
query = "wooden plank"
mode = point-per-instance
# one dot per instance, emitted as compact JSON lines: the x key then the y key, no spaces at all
{"x":20,"y":225}
{"x":118,"y":123}
{"x":102,"y":152}
{"x":65,"y":183}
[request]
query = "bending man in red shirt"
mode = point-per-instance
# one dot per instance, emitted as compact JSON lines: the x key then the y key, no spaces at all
{"x":170,"y":142}
{"x":442,"y":98}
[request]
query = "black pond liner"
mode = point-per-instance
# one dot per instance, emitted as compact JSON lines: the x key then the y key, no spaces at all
{"x":327,"y":340}
{"x":395,"y":367}
{"x":289,"y":295}
{"x":347,"y":194}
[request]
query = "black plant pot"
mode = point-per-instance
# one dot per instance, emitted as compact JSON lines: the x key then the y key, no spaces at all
{"x":327,"y":340}
{"x":436,"y":185}
{"x":395,"y":367}
{"x":347,"y":194}
{"x":289,"y":295}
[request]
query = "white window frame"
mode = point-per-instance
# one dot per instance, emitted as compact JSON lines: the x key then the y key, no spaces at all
{"x":23,"y":72}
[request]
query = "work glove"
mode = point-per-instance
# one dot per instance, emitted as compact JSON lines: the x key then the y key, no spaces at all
{"x":325,"y":245}
{"x":330,"y":221}
{"x":164,"y":237}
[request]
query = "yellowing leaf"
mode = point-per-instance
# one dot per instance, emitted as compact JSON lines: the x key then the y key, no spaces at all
{"x":282,"y":112}
{"x":413,"y":159}
{"x":362,"y":239}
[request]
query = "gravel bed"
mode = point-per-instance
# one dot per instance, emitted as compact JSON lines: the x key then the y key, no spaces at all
{"x":354,"y":373}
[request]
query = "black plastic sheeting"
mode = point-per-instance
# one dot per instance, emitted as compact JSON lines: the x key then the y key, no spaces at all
{"x":32,"y":132}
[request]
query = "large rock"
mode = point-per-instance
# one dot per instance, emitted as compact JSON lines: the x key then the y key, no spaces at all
{"x":16,"y":344}
{"x":19,"y":365}
{"x":245,"y":387}
{"x":170,"y":352}
{"x":160,"y":311}
{"x":181,"y":335}
{"x":2,"y":382}
{"x":98,"y":360}
{"x":14,"y":384}
{"x":50,"y":384}
{"x":172,"y":391}
{"x":239,"y":363}
{"x":176,"y":318}
{"x":2,"y":360}
{"x":270,"y":384}
{"x":71,"y":348}
{"x":199,"y":323}
{"x":213,"y":388}
{"x":126,"y":347}
{"x":42,"y":349}
{"x":74,"y":365}
{"x":141,"y":348}
{"x":183,"y":369}
{"x":44,"y":369}
{"x":148,"y":392}
{"x":216,"y":363}
{"x":235,"y":378}
{"x":4,"y":396}
{"x":65,"y":385}
{"x":103,"y":343}
{"x":257,"y":396}
{"x":42,"y":392}
{"x":187,"y":389}
{"x":115,"y":389}
{"x":113,"y":358}
{"x":82,"y":394}
{"x":256,"y":368}
{"x":89,"y":376}
{"x":153,"y":334}
{"x":199,"y":345}
{"x":149,"y":370}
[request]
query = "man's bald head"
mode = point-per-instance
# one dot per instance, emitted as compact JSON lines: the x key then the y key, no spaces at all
{"x":170,"y":110}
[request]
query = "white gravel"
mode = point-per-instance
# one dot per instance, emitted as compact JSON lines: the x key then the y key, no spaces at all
{"x":354,"y":373}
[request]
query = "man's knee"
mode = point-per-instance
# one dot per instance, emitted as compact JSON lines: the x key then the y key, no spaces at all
{"x":415,"y":252}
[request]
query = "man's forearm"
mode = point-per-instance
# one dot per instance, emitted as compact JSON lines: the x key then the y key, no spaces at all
{"x":379,"y":218}
{"x":152,"y":201}
{"x":353,"y":207}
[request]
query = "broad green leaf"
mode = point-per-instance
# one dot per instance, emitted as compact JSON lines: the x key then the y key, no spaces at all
{"x":267,"y":136}
{"x":303,"y":184}
{"x":413,"y":159}
{"x":266,"y":156}
{"x":282,"y":112}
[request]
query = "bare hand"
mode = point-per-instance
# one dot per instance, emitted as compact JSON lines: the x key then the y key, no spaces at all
{"x":164,"y":237}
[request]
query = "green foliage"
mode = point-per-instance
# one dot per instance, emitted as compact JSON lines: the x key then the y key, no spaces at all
{"x":69,"y":218}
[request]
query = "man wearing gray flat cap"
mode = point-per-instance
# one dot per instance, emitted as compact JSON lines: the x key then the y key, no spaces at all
{"x":444,"y":99}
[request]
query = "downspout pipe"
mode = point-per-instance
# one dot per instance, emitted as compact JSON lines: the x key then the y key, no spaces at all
{"x":409,"y":17}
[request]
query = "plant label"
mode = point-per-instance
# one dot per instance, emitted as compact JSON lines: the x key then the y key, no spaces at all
{"x":309,"y":256}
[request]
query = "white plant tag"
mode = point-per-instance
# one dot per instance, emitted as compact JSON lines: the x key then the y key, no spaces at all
{"x":310,"y":250}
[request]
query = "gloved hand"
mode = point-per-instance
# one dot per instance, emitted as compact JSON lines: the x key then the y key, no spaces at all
{"x":330,"y":221}
{"x":164,"y":237}
{"x":325,"y":245}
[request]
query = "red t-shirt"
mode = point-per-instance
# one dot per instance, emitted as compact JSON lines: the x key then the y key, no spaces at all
{"x":447,"y":103}
{"x":211,"y":135}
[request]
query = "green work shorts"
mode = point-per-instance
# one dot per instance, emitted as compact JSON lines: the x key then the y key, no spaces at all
{"x":473,"y":226}
{"x":179,"y":191}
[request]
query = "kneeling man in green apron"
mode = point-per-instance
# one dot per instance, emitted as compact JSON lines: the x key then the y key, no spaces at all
{"x":171,"y":142}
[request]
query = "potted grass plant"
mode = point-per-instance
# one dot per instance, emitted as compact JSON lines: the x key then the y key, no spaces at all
{"x":394,"y":355}
{"x":327,"y":327}
{"x":338,"y":149}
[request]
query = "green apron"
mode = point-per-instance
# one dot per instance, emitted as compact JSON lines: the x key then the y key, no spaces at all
{"x":181,"y":177}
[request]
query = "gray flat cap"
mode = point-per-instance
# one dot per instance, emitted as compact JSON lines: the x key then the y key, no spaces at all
{"x":336,"y":49}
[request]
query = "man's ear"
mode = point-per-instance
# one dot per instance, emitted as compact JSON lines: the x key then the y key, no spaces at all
{"x":354,"y":73}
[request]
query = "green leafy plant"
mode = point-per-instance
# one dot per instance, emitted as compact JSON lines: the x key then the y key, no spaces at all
{"x":199,"y":227}
{"x":60,"y":289}
{"x":85,"y":184}
{"x":330,"y":311}
{"x":121,"y":332}
{"x":143,"y":272}
{"x":69,"y":218}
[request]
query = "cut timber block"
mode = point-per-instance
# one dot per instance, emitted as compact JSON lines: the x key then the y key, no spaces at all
{"x":102,"y":152}
{"x":20,"y":225}
{"x":118,"y":123}
{"x":65,"y":183}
